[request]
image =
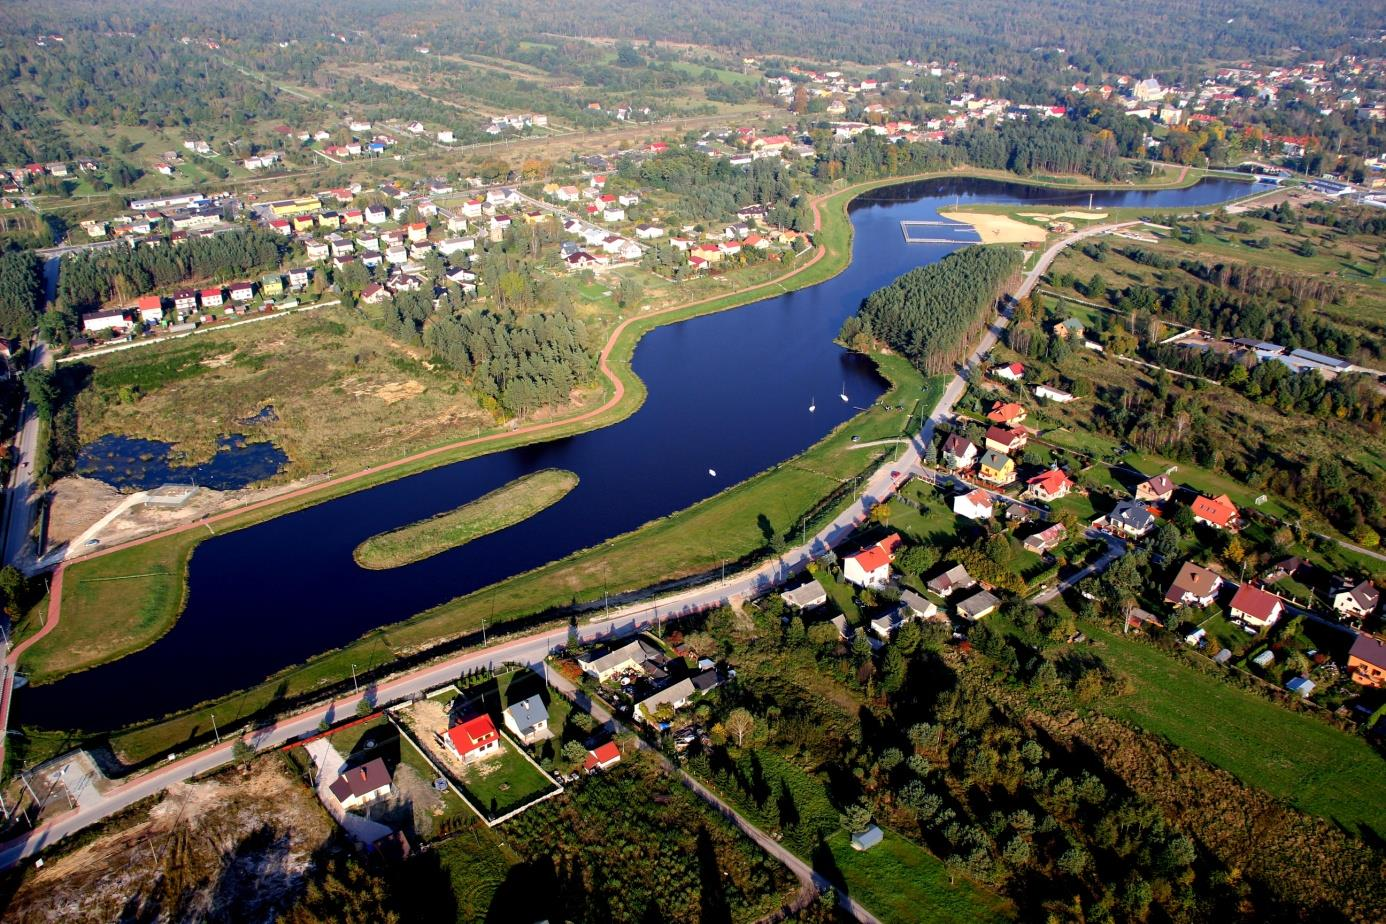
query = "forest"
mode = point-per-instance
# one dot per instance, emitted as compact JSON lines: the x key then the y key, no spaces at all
{"x":932,"y":314}
{"x":21,"y":292}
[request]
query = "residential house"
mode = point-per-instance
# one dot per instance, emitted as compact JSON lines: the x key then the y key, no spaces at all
{"x":1357,"y":602}
{"x":111,"y":319}
{"x":955,"y":578}
{"x":806,"y":595}
{"x":982,"y":603}
{"x":151,"y":308}
{"x":1006,"y":412}
{"x":211,"y":298}
{"x":242,"y":291}
{"x":1012,"y":372}
{"x":958,"y":451}
{"x":1050,"y":393}
{"x":1072,"y":328}
{"x":916,"y":607}
{"x":632,"y":656}
{"x":975,"y":505}
{"x":602,"y":757}
{"x":475,"y":739}
{"x":675,"y":697}
{"x":298,"y":278}
{"x":362,"y":785}
{"x":1050,"y":486}
{"x":1046,"y":539}
{"x":528,"y":719}
{"x":272,"y":285}
{"x":374,"y":294}
{"x":376,"y":214}
{"x":1006,"y":439}
{"x":1366,"y":661}
{"x":1156,"y":489}
{"x":996,"y":468}
{"x":648,"y":232}
{"x":871,"y":566}
{"x":1128,"y":518}
{"x":303,"y":222}
{"x":1255,"y":607}
{"x":184,"y":302}
{"x":315,"y":250}
{"x":1218,"y":512}
{"x":1194,"y":585}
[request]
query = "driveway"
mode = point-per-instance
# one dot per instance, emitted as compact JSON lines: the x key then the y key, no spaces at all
{"x":330,"y":765}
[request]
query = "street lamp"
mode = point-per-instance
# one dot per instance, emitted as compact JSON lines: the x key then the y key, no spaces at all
{"x":214,"y":728}
{"x":354,"y":687}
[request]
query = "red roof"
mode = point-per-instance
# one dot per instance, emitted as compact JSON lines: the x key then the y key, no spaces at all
{"x":877,"y":555}
{"x":1220,"y":511}
{"x":1004,"y":412}
{"x":1052,"y":481}
{"x":207,"y":293}
{"x":1005,"y":436}
{"x":1255,"y":602}
{"x":606,"y":754}
{"x":150,"y":301}
{"x":472,"y":734}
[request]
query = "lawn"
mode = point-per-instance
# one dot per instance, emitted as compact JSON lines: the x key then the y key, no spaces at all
{"x":901,"y":882}
{"x":507,"y":505}
{"x":479,"y":866}
{"x":1293,"y":756}
{"x":503,"y":782}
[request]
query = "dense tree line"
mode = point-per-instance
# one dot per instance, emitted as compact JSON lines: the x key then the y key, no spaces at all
{"x":21,"y":292}
{"x":90,"y":279}
{"x":712,"y":189}
{"x":1044,"y":146}
{"x":931,"y":314}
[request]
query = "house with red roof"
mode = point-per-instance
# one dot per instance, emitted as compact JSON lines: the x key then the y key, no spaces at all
{"x":600,"y":758}
{"x":1006,"y":412}
{"x":475,"y":739}
{"x":871,"y":566}
{"x":1011,"y":372}
{"x":1218,"y":512}
{"x":1006,"y":440}
{"x":211,"y":298}
{"x":975,"y":505}
{"x":1255,"y":607}
{"x":1050,"y":486}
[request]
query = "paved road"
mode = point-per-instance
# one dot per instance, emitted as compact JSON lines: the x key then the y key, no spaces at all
{"x":1115,"y":549}
{"x":878,"y":486}
{"x":19,"y":503}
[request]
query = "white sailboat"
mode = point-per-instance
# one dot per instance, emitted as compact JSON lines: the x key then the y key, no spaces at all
{"x":813,"y":406}
{"x":712,"y":472}
{"x":843,"y":393}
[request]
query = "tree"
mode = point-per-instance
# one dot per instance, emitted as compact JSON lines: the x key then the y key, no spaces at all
{"x":1074,"y":861}
{"x":917,"y":559}
{"x":13,"y":590}
{"x":574,"y":752}
{"x":857,"y":818}
{"x":794,"y":631}
{"x":241,"y":752}
{"x":43,"y":391}
{"x":364,"y":707}
{"x":892,"y":669}
{"x":739,"y":724}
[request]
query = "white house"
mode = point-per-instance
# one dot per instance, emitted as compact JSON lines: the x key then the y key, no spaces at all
{"x":1255,"y":607}
{"x":1357,"y":602}
{"x":871,"y":566}
{"x":975,"y":505}
{"x":528,"y":720}
{"x":362,"y":785}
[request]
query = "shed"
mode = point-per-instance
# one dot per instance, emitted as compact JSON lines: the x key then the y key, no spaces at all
{"x":868,"y":838}
{"x":1264,"y":659}
{"x":1301,"y":685}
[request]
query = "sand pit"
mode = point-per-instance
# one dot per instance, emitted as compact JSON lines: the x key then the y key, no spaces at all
{"x":1075,"y":216}
{"x":998,"y":229}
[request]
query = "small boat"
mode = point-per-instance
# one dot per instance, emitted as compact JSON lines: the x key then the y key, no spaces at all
{"x":843,"y":394}
{"x":712,"y":472}
{"x":812,"y":406}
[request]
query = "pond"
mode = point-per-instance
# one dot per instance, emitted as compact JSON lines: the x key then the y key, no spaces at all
{"x":131,"y":464}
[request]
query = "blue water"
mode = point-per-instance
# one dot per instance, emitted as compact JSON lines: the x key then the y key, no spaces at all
{"x":132,"y":464}
{"x":728,"y":391}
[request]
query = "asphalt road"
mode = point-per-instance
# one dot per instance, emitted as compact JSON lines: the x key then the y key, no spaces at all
{"x":532,"y":649}
{"x":19,"y":496}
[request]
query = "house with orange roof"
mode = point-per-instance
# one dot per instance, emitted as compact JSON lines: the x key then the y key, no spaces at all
{"x":1007,"y":412}
{"x":1218,"y":512}
{"x":871,"y":566}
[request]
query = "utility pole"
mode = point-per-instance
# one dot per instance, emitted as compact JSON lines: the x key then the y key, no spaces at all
{"x":214,"y":728}
{"x":354,"y":687}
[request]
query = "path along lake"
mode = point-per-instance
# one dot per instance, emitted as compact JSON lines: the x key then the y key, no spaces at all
{"x":727,"y":391}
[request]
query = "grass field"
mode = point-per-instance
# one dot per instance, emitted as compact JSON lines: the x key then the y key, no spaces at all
{"x":1293,"y":756}
{"x":503,"y":782}
{"x":507,"y":505}
{"x":900,"y":882}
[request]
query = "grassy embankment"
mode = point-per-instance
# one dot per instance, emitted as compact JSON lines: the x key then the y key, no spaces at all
{"x":1296,"y":757}
{"x":721,"y":528}
{"x":507,"y":505}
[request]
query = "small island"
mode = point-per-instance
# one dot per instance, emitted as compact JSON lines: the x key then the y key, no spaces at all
{"x":507,"y":505}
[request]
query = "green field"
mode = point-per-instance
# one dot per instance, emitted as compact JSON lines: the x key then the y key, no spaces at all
{"x":503,"y":782}
{"x":507,"y":505}
{"x":1293,"y":756}
{"x":900,"y":882}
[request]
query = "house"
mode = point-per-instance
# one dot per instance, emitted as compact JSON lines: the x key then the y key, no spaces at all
{"x":1049,"y":393}
{"x":374,"y":294}
{"x":1071,"y":328}
{"x":1046,"y":539}
{"x":1255,"y":607}
{"x":1218,"y":512}
{"x":955,"y":578}
{"x":112,"y":319}
{"x":1006,"y":412}
{"x":303,"y":222}
{"x":602,"y":757}
{"x":1006,"y":439}
{"x":839,"y":622}
{"x":631,"y":656}
{"x":1357,"y":602}
{"x":884,"y":626}
{"x":445,"y":136}
{"x":648,"y":232}
{"x":996,"y":467}
{"x":361,"y":785}
{"x":242,"y":291}
{"x":475,"y":739}
{"x":915,"y":606}
{"x":675,"y":697}
{"x":871,"y":566}
{"x":806,"y":595}
{"x":1301,"y":685}
{"x":528,"y":720}
{"x":315,"y":250}
{"x":958,"y":451}
{"x":1013,"y":372}
{"x":1194,"y":585}
{"x":1050,"y":486}
{"x":185,"y":302}
{"x":982,"y":603}
{"x":1156,"y":489}
{"x":975,"y":505}
{"x":376,"y":214}
{"x":272,"y":285}
{"x":1366,"y":661}
{"x":1128,"y":518}
{"x":151,"y":307}
{"x":211,"y":298}
{"x":298,"y":278}
{"x":867,"y":839}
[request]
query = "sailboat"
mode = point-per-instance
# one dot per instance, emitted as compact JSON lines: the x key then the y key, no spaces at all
{"x":812,"y":406}
{"x":712,"y":472}
{"x":843,"y":393}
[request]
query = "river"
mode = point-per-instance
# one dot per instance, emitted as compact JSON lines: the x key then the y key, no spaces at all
{"x":727,"y":391}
